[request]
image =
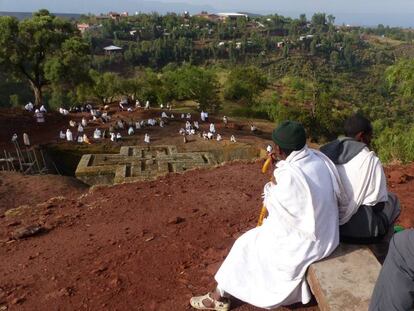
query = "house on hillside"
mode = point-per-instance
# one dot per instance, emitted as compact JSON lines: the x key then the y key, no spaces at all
{"x":231,"y":16}
{"x":111,"y":49}
{"x":82,"y":27}
{"x":206,"y":15}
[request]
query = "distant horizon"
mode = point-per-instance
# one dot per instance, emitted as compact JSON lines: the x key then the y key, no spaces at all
{"x":405,"y":20}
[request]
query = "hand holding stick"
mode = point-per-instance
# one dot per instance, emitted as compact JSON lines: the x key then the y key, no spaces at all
{"x":265,"y":167}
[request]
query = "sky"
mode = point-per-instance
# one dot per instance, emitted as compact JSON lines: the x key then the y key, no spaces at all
{"x":362,"y":12}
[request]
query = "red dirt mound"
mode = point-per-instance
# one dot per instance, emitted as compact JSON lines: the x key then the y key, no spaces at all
{"x":140,"y":246}
{"x":18,"y":189}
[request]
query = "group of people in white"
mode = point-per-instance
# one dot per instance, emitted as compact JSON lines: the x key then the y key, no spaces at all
{"x":76,"y":132}
{"x":194,"y":128}
{"x":39,"y":113}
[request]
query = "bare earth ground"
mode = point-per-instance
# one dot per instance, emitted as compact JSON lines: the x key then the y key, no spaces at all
{"x":140,"y":246}
{"x":18,"y":189}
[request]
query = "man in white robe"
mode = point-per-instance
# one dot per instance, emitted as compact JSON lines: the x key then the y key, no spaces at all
{"x":113,"y":136}
{"x":62,"y":135}
{"x":40,"y":117}
{"x":266,"y":266}
{"x":29,"y":107}
{"x":63,"y":111}
{"x":147,"y":138}
{"x":212,"y":128}
{"x":69,"y":135}
{"x":26,"y":140}
{"x":225,"y":121}
{"x":43,"y":109}
{"x":371,"y":211}
{"x":97,"y":134}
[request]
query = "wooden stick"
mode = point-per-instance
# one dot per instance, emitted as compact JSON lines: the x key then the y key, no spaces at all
{"x":263,"y":210}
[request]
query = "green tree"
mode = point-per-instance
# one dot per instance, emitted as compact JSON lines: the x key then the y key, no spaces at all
{"x":29,"y":46}
{"x":196,"y":83}
{"x":400,"y":79}
{"x":334,"y":59}
{"x":245,"y":83}
{"x":104,"y":87}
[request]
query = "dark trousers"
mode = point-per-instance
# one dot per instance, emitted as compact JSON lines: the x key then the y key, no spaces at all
{"x":371,"y":223}
{"x":394,"y":289}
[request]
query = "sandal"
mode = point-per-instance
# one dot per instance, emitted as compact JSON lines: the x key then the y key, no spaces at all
{"x":197,"y":303}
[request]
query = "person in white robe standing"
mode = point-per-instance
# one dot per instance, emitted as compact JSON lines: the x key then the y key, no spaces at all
{"x":372,"y":210}
{"x":26,"y":140}
{"x":14,"y":138}
{"x":62,"y":135}
{"x":97,"y":134}
{"x":69,"y":135}
{"x":212,"y":128}
{"x":147,"y":138}
{"x":113,"y":136}
{"x":40,"y":117}
{"x":266,"y":266}
{"x":43,"y":109}
{"x":131,"y":131}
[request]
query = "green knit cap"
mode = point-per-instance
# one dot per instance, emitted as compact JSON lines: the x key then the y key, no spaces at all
{"x":289,"y":135}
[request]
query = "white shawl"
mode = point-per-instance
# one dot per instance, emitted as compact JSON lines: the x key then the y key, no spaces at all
{"x":295,"y":188}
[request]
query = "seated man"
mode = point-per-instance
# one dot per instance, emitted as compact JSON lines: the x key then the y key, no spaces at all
{"x":371,"y":210}
{"x":266,"y":266}
{"x":394,"y":289}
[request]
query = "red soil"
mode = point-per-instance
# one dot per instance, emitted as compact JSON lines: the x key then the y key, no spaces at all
{"x":141,"y":246}
{"x":18,"y":189}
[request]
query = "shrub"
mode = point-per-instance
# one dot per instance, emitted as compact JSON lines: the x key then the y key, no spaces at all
{"x":394,"y":143}
{"x":14,"y":100}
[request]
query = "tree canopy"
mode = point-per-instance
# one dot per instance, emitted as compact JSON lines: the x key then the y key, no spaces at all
{"x":42,"y":50}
